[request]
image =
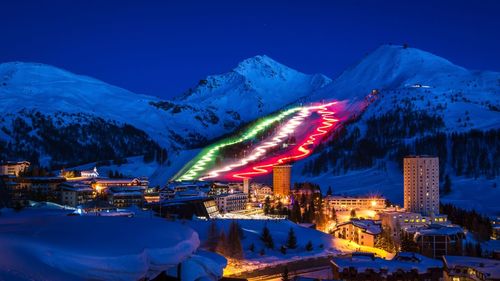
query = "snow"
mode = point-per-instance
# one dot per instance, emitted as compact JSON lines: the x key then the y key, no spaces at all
{"x":252,"y":229}
{"x":399,"y":262}
{"x":489,"y":267}
{"x":259,"y":84}
{"x":47,"y":244}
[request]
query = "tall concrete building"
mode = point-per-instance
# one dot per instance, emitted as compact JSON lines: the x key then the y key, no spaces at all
{"x":421,"y":184}
{"x":281,"y":180}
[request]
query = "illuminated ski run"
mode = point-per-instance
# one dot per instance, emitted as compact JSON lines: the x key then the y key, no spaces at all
{"x":260,"y":151}
{"x":206,"y":158}
{"x":326,"y":124}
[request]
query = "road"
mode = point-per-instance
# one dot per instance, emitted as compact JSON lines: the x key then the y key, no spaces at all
{"x":315,"y":265}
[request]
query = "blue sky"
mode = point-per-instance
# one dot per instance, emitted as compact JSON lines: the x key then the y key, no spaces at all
{"x":164,"y":47}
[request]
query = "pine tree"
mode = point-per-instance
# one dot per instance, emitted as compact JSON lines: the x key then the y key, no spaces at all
{"x":329,"y":192}
{"x":334,"y":215}
{"x":252,"y":247}
{"x":291,"y":242}
{"x":447,"y":185}
{"x":478,"y":250}
{"x":213,"y":237}
{"x":222,"y":245}
{"x":234,"y":241}
{"x":284,"y":275}
{"x":384,"y":240}
{"x":267,"y":238}
{"x":295,"y":214}
{"x":353,"y":214}
{"x":283,"y":249}
{"x":309,"y":246}
{"x":407,"y":243}
{"x":267,"y":205}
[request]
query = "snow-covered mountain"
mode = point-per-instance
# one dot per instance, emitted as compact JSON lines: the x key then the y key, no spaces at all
{"x":256,"y":86}
{"x":425,"y":105}
{"x":429,"y":81}
{"x":34,"y":95}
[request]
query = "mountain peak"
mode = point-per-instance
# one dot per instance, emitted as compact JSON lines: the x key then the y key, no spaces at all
{"x":262,"y":65}
{"x":393,"y":66}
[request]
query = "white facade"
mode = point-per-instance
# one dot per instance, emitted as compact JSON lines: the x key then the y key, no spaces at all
{"x":421,"y":184}
{"x":398,"y":220}
{"x":344,"y":203}
{"x":89,"y":173}
{"x":231,"y":202}
{"x":13,"y":168}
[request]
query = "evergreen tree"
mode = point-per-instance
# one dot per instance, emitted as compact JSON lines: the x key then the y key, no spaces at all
{"x":252,"y":247}
{"x":309,"y":246}
{"x":353,"y":214}
{"x":478,"y":250}
{"x":329,"y":192}
{"x":267,"y":205}
{"x":334,"y":215}
{"x":213,"y":237}
{"x":384,"y":240}
{"x":284,"y":275}
{"x":267,"y":238}
{"x":295,"y":214}
{"x":234,"y":241}
{"x":283,"y":249}
{"x":407,"y":243}
{"x":222,"y":245}
{"x":447,"y":185}
{"x":291,"y":242}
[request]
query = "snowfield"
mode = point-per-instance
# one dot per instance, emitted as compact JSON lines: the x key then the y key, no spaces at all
{"x":46,"y":244}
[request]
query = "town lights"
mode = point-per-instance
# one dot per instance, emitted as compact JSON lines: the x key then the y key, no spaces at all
{"x":373,"y":203}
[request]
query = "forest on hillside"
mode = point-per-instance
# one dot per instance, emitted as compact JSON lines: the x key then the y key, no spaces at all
{"x":404,"y":131}
{"x":84,"y":139}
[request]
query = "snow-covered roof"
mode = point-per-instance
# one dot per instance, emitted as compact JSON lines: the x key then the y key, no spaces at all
{"x":363,"y":262}
{"x":439,"y":229}
{"x":368,"y":226}
{"x":489,"y":267}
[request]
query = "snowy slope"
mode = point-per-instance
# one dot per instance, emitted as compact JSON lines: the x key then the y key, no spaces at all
{"x":46,"y":244}
{"x":429,"y":81}
{"x":259,"y":84}
{"x":411,"y":80}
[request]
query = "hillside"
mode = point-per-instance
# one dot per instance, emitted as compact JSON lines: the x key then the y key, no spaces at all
{"x":426,"y":105}
{"x":48,"y":101}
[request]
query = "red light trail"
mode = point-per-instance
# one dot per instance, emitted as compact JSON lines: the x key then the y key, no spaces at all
{"x":326,"y":124}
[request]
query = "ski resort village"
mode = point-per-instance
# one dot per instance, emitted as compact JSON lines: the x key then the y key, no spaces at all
{"x":207,"y":155}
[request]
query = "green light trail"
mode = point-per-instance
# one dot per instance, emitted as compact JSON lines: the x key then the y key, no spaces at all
{"x":207,"y":156}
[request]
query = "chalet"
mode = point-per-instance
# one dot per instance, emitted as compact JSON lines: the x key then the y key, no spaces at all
{"x":470,"y":268}
{"x":89,"y":173}
{"x":362,"y":232}
{"x":76,"y":193}
{"x":231,"y":202}
{"x":125,"y":196}
{"x":103,"y":184}
{"x":13,"y":168}
{"x":404,"y":266}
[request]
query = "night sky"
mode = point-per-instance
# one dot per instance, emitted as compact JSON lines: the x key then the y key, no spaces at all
{"x":164,"y":47}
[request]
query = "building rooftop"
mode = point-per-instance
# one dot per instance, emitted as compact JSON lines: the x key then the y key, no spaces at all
{"x":439,"y":229}
{"x":489,"y":267}
{"x":368,"y":226}
{"x":402,"y":261}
